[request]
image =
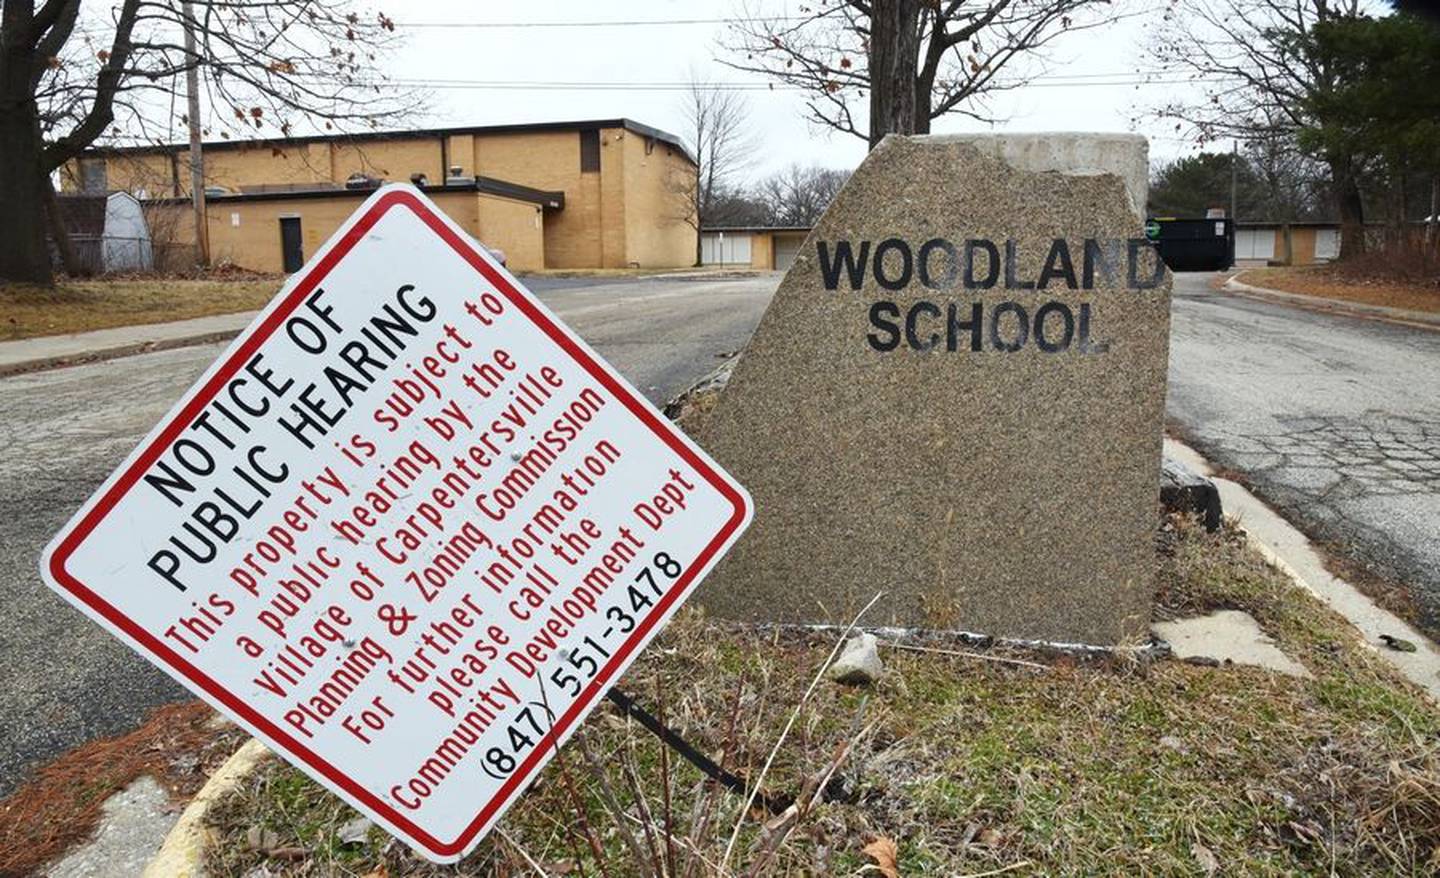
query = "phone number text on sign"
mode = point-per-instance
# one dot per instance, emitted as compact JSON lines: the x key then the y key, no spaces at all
{"x":407,"y":529}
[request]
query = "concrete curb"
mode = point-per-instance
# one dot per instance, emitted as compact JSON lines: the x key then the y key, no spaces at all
{"x":183,"y":853}
{"x":70,"y":349}
{"x":1405,"y":316}
{"x":1291,"y":552}
{"x":40,"y":364}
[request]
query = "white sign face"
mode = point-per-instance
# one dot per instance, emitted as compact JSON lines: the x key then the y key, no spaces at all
{"x":407,"y":530}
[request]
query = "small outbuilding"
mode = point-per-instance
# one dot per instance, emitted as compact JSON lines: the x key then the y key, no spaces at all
{"x":1275,"y":243}
{"x":107,"y":232}
{"x":760,"y":247}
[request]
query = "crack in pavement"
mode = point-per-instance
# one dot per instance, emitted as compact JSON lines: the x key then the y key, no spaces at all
{"x":1335,"y":421}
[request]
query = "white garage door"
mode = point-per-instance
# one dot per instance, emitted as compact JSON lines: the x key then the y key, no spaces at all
{"x":786,"y":249}
{"x":1327,"y":243}
{"x":725,"y":248}
{"x":1255,"y":244}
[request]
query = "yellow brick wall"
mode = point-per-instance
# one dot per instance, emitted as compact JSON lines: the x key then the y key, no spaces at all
{"x":656,"y":197}
{"x":236,"y":168}
{"x":614,"y":250}
{"x":255,"y":242}
{"x":172,"y":234}
{"x":620,"y":216}
{"x":460,"y":152}
{"x":299,"y":164}
{"x":515,"y":227}
{"x":550,"y":160}
{"x":393,"y":160}
{"x":134,"y":172}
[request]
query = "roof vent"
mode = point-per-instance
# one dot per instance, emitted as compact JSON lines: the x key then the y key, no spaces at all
{"x":360,"y":180}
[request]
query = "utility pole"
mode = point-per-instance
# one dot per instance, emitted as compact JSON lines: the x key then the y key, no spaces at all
{"x":197,"y":158}
{"x":1234,"y":176}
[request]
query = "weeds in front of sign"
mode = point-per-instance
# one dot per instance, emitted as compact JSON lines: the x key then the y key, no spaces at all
{"x":953,"y":764}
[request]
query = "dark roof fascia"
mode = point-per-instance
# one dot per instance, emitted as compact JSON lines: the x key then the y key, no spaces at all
{"x":486,"y":185}
{"x":1321,"y":224}
{"x":1275,"y":224}
{"x":704,"y":229}
{"x":492,"y":186}
{"x":520,"y":128}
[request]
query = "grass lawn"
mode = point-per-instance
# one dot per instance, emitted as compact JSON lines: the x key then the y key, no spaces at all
{"x":82,"y":305}
{"x":635,"y":272}
{"x":959,"y":765}
{"x":1325,"y":282}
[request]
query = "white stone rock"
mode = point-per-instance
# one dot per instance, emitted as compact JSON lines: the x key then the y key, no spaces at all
{"x":858,"y":663}
{"x":1228,"y":635}
{"x":357,"y":831}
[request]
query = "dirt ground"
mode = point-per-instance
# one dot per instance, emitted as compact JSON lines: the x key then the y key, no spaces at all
{"x":1329,"y":283}
{"x":179,"y":745}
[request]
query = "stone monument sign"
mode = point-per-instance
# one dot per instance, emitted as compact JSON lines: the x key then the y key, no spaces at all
{"x":956,"y":397}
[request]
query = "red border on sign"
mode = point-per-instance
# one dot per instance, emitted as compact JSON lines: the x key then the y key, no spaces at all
{"x":248,"y":346}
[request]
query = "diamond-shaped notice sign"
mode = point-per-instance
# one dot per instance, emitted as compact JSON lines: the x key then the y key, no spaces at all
{"x":407,"y":530}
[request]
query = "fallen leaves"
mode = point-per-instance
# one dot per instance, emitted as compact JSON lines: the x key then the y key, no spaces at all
{"x":1205,"y":858}
{"x":885,"y":854}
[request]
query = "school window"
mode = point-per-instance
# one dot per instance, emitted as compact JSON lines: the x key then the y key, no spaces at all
{"x":590,"y":151}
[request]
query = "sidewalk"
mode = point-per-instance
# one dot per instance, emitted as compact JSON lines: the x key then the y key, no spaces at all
{"x":1421,"y":319}
{"x":51,"y":351}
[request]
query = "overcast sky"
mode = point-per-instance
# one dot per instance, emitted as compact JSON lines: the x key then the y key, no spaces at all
{"x":1074,"y":93}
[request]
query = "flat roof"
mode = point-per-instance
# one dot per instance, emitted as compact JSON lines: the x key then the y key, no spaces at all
{"x":755,"y":228}
{"x":487,"y":185}
{"x":520,"y":128}
{"x":1296,"y":224}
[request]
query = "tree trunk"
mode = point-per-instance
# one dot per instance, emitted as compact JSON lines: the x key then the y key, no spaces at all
{"x":1432,"y":218}
{"x":24,"y":256}
{"x":1402,"y":205}
{"x":58,"y":233}
{"x":893,"y":58}
{"x":1346,"y":189}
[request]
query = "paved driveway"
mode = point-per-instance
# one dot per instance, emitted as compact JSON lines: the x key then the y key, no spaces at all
{"x":1334,"y":420}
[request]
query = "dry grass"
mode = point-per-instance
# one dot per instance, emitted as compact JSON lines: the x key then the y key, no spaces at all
{"x":83,"y":305}
{"x":1349,"y":284}
{"x":179,"y":745}
{"x":1115,"y":766}
{"x":716,"y":271}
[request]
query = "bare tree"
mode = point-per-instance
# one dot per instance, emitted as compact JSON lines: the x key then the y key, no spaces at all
{"x":68,"y":80}
{"x":798,"y":195}
{"x":1294,"y":184}
{"x":718,"y":139}
{"x":1257,"y":83}
{"x":915,"y":60}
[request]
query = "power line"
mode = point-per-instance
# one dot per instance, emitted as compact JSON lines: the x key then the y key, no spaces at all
{"x":645,"y":22}
{"x":641,"y":86}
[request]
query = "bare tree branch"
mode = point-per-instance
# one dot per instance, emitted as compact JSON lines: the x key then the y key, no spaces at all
{"x":73,"y":75}
{"x":1258,"y":81}
{"x":913,"y":61}
{"x":719,"y":139}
